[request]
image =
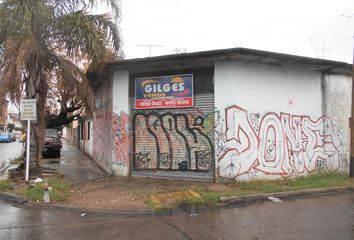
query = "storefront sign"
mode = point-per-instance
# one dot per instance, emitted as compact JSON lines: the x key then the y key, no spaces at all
{"x":164,"y":92}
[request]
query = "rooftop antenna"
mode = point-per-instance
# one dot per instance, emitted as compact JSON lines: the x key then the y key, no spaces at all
{"x":323,"y":49}
{"x":149,"y":46}
{"x":180,"y":50}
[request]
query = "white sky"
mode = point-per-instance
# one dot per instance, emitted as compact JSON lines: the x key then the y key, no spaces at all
{"x":300,"y":27}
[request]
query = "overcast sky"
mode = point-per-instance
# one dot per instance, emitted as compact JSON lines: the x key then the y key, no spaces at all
{"x":314,"y":28}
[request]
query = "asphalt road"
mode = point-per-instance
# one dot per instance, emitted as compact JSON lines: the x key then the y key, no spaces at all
{"x":10,"y":150}
{"x":326,"y":217}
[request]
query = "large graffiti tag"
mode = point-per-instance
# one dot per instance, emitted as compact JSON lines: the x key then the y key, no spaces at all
{"x":274,"y":144}
{"x":121,"y":141}
{"x":168,"y":142}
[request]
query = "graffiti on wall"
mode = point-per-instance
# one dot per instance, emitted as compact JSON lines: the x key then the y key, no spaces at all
{"x":171,"y":141}
{"x":275,"y":144}
{"x":121,"y":141}
{"x":102,"y":147}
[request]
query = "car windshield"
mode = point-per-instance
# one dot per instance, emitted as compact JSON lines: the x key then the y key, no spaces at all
{"x":51,"y":133}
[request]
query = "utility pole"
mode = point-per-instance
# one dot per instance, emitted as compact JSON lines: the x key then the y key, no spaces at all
{"x":149,"y":46}
{"x":351,"y":160}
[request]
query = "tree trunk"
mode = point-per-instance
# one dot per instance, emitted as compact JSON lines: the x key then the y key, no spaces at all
{"x":36,"y":88}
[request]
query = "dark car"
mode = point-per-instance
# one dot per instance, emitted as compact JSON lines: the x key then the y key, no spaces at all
{"x":52,"y":143}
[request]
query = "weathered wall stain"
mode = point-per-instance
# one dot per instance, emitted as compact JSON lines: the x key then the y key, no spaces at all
{"x":171,"y":141}
{"x":273,"y":144}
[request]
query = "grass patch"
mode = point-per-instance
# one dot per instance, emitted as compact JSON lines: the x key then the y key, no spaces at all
{"x":60,"y":190}
{"x":319,"y":181}
{"x":4,"y":185}
{"x":153,"y":205}
{"x":307,"y":182}
{"x":206,"y":198}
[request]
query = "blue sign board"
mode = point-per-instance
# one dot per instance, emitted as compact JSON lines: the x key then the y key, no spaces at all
{"x":174,"y":91}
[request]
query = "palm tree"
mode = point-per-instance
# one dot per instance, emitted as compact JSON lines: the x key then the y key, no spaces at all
{"x":40,"y":40}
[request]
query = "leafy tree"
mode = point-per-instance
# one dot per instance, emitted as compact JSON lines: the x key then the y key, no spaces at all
{"x":42,"y":44}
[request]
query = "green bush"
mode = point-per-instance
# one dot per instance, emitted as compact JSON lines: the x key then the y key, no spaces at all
{"x":4,"y":185}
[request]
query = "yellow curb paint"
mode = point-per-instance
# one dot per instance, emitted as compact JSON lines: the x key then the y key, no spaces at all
{"x":194,"y":194}
{"x":155,"y":200}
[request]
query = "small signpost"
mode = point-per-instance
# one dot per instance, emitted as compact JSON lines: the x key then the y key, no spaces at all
{"x":29,"y":113}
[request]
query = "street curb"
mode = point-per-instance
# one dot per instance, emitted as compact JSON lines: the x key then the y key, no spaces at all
{"x":284,"y":195}
{"x":223,"y":201}
{"x":12,"y":198}
{"x":18,"y":200}
{"x":36,"y":205}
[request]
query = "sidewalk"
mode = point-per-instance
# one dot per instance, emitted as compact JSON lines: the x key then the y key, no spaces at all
{"x":76,"y":166}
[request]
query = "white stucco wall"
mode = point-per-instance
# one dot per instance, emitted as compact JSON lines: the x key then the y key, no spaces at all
{"x":88,"y":139}
{"x":269,"y":122}
{"x":263,"y":88}
{"x":120,"y":124}
{"x":337,"y":106}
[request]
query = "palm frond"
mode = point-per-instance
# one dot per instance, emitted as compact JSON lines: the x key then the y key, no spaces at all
{"x":24,"y":17}
{"x":16,"y":54}
{"x":71,"y":81}
{"x":80,"y":34}
{"x":68,"y":6}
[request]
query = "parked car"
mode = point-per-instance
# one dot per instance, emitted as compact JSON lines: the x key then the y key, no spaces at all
{"x":52,"y":143}
{"x":5,"y":137}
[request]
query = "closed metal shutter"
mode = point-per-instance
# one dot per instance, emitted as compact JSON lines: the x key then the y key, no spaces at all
{"x":175,"y":143}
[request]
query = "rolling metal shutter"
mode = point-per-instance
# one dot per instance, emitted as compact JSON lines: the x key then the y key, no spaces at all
{"x":175,"y":143}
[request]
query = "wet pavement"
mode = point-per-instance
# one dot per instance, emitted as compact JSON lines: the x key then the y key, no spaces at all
{"x":10,"y":151}
{"x":76,"y":166}
{"x":326,"y":217}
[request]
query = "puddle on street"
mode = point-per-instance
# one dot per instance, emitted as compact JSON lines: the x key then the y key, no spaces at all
{"x":194,"y":210}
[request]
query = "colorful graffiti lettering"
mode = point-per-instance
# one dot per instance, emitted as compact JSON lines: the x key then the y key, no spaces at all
{"x":169,"y":142}
{"x":274,"y":144}
{"x":121,"y":141}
